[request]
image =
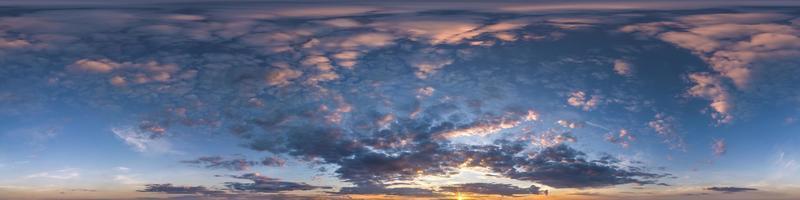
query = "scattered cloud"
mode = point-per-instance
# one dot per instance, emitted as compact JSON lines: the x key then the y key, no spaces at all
{"x":584,"y":101}
{"x":665,"y":126}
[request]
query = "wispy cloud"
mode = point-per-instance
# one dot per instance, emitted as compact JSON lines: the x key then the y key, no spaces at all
{"x":62,"y":174}
{"x":142,"y":142}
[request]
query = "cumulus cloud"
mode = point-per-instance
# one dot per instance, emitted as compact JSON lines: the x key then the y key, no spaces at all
{"x":735,"y":45}
{"x":739,"y":47}
{"x":710,"y":87}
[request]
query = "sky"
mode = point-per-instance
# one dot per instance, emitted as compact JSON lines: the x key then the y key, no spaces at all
{"x":399,"y":100}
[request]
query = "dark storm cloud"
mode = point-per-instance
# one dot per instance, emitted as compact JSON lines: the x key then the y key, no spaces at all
{"x":410,"y":148}
{"x":492,"y":188}
{"x":267,"y":185}
{"x":731,"y":189}
{"x":219,"y":162}
{"x":172,"y":189}
{"x":564,"y":167}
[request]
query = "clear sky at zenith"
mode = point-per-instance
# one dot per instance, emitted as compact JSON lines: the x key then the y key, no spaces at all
{"x":179,"y":99}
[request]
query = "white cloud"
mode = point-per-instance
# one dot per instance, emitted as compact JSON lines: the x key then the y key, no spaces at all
{"x":63,"y":174}
{"x":141,"y":141}
{"x":127,"y":179}
{"x":122,"y":169}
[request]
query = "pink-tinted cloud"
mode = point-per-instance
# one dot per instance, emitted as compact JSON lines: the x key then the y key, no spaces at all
{"x":719,"y":147}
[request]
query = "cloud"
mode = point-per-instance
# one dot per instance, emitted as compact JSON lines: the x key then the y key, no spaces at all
{"x":732,"y":18}
{"x":273,"y":162}
{"x":95,"y":66}
{"x":383,"y":190}
{"x":168,"y":188}
{"x":584,"y":101}
{"x":623,"y":67}
{"x":409,"y":148}
{"x":491,"y":188}
{"x":295,"y":88}
{"x":731,"y":189}
{"x":281,"y":77}
{"x":741,"y":47}
{"x":710,"y":87}
{"x":122,"y":169}
{"x":142,"y":142}
{"x":665,"y":126}
{"x":62,"y":174}
{"x":563,"y":167}
{"x":490,"y":126}
{"x":127,"y":179}
{"x":13,"y":43}
{"x":719,"y":147}
{"x":267,"y":185}
{"x":623,"y":138}
{"x":219,"y":162}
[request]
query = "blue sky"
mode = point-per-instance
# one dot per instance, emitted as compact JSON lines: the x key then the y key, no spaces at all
{"x":424,"y":100}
